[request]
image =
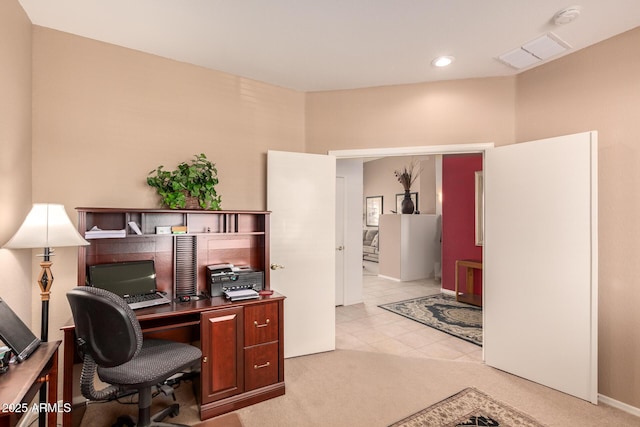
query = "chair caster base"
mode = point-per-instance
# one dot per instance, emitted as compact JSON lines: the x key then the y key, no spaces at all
{"x":171,"y":411}
{"x":124,"y":421}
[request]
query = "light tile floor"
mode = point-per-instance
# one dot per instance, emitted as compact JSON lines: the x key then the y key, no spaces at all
{"x":367,"y":327}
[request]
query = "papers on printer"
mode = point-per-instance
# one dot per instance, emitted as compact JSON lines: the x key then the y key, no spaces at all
{"x":241,"y":294}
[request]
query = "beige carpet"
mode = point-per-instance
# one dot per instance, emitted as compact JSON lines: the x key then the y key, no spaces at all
{"x":353,"y":388}
{"x":226,"y":420}
{"x":104,"y":414}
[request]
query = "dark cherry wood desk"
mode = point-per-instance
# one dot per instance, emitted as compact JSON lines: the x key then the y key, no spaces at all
{"x":19,"y":385}
{"x":234,"y":374}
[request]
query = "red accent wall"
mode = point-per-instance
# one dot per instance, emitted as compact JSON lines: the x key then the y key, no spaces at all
{"x":458,"y":218}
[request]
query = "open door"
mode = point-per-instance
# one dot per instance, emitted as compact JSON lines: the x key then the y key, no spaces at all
{"x":301,"y":198}
{"x":541,"y":261}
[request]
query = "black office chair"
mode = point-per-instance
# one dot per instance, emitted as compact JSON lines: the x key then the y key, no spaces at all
{"x":110,"y":340}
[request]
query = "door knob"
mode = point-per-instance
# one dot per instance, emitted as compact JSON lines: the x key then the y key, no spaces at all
{"x":339,"y":248}
{"x":276,"y":266}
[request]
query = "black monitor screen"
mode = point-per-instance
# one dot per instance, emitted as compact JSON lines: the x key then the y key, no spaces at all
{"x":124,"y":278}
{"x":15,"y":334}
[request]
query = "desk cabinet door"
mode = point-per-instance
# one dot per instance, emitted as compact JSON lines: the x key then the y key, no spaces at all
{"x":222,"y":353}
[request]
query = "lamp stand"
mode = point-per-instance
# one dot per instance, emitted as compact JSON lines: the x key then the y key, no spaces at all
{"x":45,"y":280}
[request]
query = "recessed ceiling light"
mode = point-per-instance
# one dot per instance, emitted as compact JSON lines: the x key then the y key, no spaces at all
{"x":442,"y":61}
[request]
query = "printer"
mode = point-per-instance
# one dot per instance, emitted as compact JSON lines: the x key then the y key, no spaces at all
{"x":226,"y":277}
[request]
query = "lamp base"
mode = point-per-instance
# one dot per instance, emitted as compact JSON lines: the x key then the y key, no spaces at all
{"x":45,"y":280}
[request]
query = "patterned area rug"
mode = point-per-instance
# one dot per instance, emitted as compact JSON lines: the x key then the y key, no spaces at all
{"x":444,"y":313}
{"x":470,"y":407}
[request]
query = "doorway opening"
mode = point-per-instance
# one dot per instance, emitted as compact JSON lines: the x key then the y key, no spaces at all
{"x":364,"y":285}
{"x":350,"y":166}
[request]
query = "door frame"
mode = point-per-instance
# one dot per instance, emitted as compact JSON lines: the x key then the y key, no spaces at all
{"x":429,"y":150}
{"x":341,"y":212}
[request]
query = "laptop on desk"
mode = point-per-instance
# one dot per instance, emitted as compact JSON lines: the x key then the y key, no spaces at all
{"x":15,"y":334}
{"x":135,"y":281}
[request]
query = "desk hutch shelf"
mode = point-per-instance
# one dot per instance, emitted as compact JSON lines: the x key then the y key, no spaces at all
{"x":216,"y":237}
{"x":242,"y":342}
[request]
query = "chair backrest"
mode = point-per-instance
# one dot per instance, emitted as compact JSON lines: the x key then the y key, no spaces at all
{"x":106,"y":327}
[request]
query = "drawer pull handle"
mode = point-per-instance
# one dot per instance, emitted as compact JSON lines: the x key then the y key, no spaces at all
{"x":255,"y":322}
{"x":262,"y":366}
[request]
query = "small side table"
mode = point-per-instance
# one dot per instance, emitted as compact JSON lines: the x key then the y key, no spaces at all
{"x":22,"y":381}
{"x":468,"y":297}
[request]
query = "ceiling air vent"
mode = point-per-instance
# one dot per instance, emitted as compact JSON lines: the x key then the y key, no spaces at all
{"x":540,"y":49}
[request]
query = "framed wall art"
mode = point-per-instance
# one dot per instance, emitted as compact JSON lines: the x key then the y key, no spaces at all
{"x":373,"y":210}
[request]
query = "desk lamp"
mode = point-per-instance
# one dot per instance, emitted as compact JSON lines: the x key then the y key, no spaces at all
{"x":46,"y":226}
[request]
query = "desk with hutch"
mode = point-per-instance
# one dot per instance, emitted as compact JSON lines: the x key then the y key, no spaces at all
{"x":242,"y":342}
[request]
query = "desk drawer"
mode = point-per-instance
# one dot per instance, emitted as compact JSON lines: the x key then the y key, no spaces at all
{"x":261,"y":365}
{"x":260,"y":324}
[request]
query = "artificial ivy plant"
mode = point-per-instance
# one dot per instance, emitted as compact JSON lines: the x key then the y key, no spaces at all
{"x":196,"y":179}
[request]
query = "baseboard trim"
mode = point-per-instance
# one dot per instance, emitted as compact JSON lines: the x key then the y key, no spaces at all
{"x":619,"y":405}
{"x":448,"y":292}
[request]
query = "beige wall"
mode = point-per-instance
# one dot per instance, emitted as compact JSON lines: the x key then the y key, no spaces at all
{"x":110,"y":115}
{"x":428,"y":181}
{"x":16,"y":287}
{"x":379,"y":180}
{"x":104,"y":116}
{"x":599,"y":89}
{"x":450,"y":112}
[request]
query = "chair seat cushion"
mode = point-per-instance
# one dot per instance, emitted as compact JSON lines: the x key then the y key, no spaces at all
{"x":157,"y":360}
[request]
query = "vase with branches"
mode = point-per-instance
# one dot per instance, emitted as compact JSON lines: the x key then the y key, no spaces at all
{"x":406,"y":177}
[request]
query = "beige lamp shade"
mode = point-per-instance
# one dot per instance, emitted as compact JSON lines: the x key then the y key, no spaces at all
{"x":46,"y":226}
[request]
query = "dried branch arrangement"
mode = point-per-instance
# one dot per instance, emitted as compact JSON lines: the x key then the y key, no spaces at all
{"x":408,"y":174}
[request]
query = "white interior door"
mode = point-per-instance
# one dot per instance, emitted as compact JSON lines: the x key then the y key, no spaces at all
{"x":301,"y":198}
{"x":541,"y":260}
{"x":340,"y":224}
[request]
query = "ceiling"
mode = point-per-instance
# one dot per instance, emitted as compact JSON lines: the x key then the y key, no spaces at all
{"x":317,"y":45}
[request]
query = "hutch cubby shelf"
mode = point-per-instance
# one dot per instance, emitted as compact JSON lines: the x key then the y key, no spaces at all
{"x":220,"y":237}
